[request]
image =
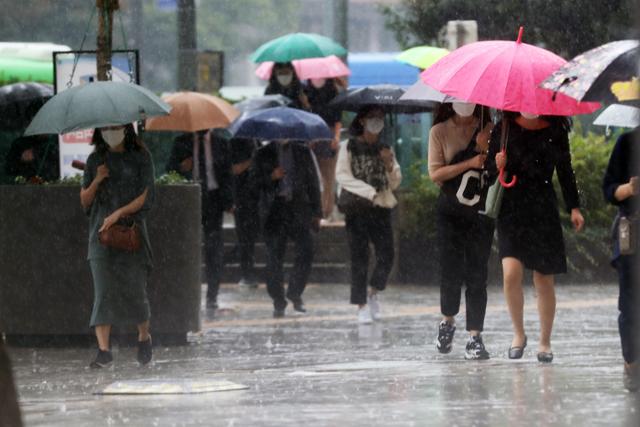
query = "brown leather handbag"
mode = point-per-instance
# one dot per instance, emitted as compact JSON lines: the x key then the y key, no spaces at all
{"x":122,"y":237}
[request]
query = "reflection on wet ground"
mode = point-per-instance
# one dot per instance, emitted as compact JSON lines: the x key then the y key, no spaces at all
{"x":323,"y":369}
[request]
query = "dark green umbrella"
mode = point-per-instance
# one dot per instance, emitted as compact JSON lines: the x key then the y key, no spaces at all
{"x":590,"y":75}
{"x":297,"y":46}
{"x":95,"y":105}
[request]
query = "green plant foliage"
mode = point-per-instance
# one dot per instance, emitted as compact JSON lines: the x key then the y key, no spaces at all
{"x":172,"y":178}
{"x":567,"y":27}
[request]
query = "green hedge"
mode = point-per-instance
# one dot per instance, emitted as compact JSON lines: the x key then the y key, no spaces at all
{"x":588,"y":252}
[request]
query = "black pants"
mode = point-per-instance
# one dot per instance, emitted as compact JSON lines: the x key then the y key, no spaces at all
{"x":372,"y":225}
{"x":464,"y":249}
{"x":247,"y":230}
{"x":626,"y":304}
{"x":212,"y":218}
{"x":284,"y":224}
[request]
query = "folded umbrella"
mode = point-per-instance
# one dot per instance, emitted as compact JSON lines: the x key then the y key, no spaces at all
{"x":591,"y":76}
{"x":311,"y":68}
{"x":297,"y":46}
{"x":19,"y":102}
{"x":97,"y":104}
{"x":422,"y":56}
{"x":280,"y":123}
{"x":625,"y":116}
{"x":387,"y":97}
{"x":262,"y":102}
{"x":503,"y":75}
{"x":193,"y":111}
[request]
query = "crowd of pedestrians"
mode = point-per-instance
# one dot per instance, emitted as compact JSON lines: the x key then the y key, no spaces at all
{"x":282,"y":189}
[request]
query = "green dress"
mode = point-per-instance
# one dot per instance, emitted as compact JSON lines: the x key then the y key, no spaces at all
{"x":119,"y":278}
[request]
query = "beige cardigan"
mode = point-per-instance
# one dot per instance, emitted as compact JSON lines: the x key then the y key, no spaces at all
{"x":347,"y":181}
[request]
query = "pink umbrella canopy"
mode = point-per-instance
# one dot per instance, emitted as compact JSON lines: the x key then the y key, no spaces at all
{"x":504,"y":75}
{"x":310,"y":68}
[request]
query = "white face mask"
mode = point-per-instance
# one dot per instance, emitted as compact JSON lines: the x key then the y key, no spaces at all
{"x":464,"y":109}
{"x":374,"y":125}
{"x":529,"y":116}
{"x":285,"y":79}
{"x":318,"y":83}
{"x":113,"y":137}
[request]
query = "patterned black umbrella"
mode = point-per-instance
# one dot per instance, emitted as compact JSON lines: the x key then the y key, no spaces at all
{"x":607,"y":73}
{"x":387,"y":97}
{"x":19,"y":102}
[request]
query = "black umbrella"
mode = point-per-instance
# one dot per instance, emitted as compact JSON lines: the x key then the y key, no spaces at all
{"x":387,"y":97}
{"x":262,"y":102}
{"x":19,"y":102}
{"x":591,"y":76}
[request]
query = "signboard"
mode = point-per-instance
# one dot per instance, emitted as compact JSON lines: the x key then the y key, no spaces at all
{"x":210,"y":71}
{"x":77,"y":68}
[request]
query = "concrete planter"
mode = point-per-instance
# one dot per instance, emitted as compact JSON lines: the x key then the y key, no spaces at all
{"x":46,"y":288}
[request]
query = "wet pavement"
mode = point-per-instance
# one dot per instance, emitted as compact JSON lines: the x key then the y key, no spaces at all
{"x":323,"y":369}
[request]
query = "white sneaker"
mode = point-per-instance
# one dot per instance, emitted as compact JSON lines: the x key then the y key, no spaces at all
{"x":374,"y":307}
{"x":364,"y":315}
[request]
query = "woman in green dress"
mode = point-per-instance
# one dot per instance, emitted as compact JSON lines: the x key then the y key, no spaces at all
{"x":118,"y":188}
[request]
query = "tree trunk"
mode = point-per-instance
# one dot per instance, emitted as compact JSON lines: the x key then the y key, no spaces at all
{"x":105,"y":37}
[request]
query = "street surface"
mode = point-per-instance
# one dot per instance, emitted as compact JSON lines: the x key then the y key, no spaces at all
{"x":323,"y":369}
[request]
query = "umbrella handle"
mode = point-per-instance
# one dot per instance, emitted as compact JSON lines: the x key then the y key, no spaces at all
{"x":505,"y":184}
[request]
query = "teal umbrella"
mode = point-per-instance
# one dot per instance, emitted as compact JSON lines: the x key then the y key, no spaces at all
{"x":297,"y":46}
{"x":95,"y":105}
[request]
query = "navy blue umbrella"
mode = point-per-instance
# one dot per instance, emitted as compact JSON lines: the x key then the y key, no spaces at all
{"x":280,"y":123}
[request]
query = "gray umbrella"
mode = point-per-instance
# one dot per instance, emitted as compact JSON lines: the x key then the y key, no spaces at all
{"x":625,"y":116}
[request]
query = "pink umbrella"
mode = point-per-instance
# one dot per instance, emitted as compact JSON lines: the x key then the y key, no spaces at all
{"x":504,"y":75}
{"x":310,"y":68}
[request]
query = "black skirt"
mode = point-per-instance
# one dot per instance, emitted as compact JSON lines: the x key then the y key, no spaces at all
{"x":529,"y":230}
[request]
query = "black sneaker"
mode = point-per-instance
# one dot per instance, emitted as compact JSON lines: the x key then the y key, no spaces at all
{"x":445,"y":337}
{"x":103,"y":360}
{"x":475,"y":349}
{"x":212,"y":305}
{"x":145,"y":352}
{"x":298,"y":305}
{"x":278,"y":314}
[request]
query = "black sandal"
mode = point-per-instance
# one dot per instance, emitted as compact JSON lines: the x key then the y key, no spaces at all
{"x":517,"y":352}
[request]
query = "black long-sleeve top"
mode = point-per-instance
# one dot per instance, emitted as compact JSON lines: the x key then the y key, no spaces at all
{"x":533,"y":156}
{"x":183,"y":149}
{"x":619,"y":171}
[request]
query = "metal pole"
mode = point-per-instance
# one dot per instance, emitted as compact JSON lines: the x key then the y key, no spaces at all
{"x":341,"y":22}
{"x":187,"y":45}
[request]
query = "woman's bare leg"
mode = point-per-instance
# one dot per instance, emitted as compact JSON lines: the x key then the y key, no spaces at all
{"x":102,"y":334}
{"x":546,"y":296}
{"x":143,"y":331}
{"x":513,"y":271}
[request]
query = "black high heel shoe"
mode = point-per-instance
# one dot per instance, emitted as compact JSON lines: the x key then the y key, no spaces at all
{"x":517,"y":352}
